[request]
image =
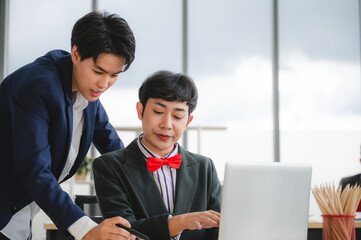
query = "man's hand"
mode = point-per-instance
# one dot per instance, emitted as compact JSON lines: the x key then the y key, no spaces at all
{"x":199,"y":220}
{"x":193,"y":220}
{"x":108,"y":230}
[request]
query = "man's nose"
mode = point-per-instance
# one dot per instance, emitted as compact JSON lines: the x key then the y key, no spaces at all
{"x":166,"y":122}
{"x":103,"y":82}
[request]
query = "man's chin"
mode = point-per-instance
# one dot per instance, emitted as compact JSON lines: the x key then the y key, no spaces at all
{"x":91,"y":98}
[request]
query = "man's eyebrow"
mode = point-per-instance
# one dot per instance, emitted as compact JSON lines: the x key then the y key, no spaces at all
{"x":103,"y":70}
{"x":165,"y":106}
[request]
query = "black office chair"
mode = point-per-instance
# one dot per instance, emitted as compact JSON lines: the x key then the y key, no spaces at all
{"x":89,"y":204}
{"x":352,"y":180}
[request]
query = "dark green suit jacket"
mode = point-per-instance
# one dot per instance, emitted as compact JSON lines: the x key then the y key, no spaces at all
{"x":126,"y":188}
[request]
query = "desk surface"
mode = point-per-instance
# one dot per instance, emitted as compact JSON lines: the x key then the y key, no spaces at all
{"x":311,"y":225}
{"x":314,"y":231}
{"x":316,"y":222}
{"x":319,"y":224}
{"x":50,"y":226}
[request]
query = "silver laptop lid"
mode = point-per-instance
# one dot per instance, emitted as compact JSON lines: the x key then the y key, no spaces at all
{"x":265,"y":201}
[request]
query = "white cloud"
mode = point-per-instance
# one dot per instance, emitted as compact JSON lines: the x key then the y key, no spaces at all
{"x":120,"y":105}
{"x":313,"y":95}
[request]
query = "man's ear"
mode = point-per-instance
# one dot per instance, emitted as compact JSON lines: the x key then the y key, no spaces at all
{"x":140,"y":110}
{"x":75,"y":57}
{"x":190,"y":119}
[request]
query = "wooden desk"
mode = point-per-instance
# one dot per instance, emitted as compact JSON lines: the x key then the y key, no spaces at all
{"x":52,"y":233}
{"x":314,"y":231}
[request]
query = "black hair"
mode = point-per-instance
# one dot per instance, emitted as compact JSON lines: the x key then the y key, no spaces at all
{"x":169,"y":86}
{"x":98,"y":33}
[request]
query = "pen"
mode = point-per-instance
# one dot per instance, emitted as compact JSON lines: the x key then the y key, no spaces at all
{"x":139,"y":235}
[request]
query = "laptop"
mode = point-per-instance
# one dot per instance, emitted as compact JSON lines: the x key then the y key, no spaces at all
{"x":265,"y":201}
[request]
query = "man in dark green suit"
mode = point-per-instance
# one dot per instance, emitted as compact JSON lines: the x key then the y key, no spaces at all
{"x":163,"y":190}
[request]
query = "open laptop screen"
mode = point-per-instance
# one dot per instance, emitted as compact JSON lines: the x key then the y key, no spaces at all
{"x":265,"y":201}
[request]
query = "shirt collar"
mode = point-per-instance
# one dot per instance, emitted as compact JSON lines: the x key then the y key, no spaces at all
{"x":79,"y":102}
{"x":148,"y":153}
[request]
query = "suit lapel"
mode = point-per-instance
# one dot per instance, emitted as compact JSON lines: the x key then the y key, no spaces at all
{"x":69,"y":118}
{"x":85,"y":140}
{"x":143,"y":182}
{"x":66,"y":69}
{"x":187,"y":182}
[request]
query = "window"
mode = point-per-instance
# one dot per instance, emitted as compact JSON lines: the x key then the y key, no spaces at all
{"x":157,"y":29}
{"x":229,"y":59}
{"x":319,"y":81}
{"x":36,"y":27}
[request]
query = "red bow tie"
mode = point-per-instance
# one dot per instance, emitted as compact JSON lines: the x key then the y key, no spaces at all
{"x":154,"y":164}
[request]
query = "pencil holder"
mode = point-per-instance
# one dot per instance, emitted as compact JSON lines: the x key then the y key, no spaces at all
{"x":338,"y":227}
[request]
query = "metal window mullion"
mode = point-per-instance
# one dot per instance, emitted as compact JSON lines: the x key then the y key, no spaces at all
{"x":275,"y":70}
{"x":94,"y":6}
{"x":4,"y":26}
{"x":185,"y":54}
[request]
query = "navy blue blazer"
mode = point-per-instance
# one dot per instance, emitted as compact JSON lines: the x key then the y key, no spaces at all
{"x":36,"y":130}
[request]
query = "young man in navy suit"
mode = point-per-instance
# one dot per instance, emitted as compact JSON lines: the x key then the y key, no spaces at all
{"x":163,"y":190}
{"x":50,"y":114}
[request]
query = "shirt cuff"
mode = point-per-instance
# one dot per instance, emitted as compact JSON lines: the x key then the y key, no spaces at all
{"x":177,"y":237}
{"x":81,"y":227}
